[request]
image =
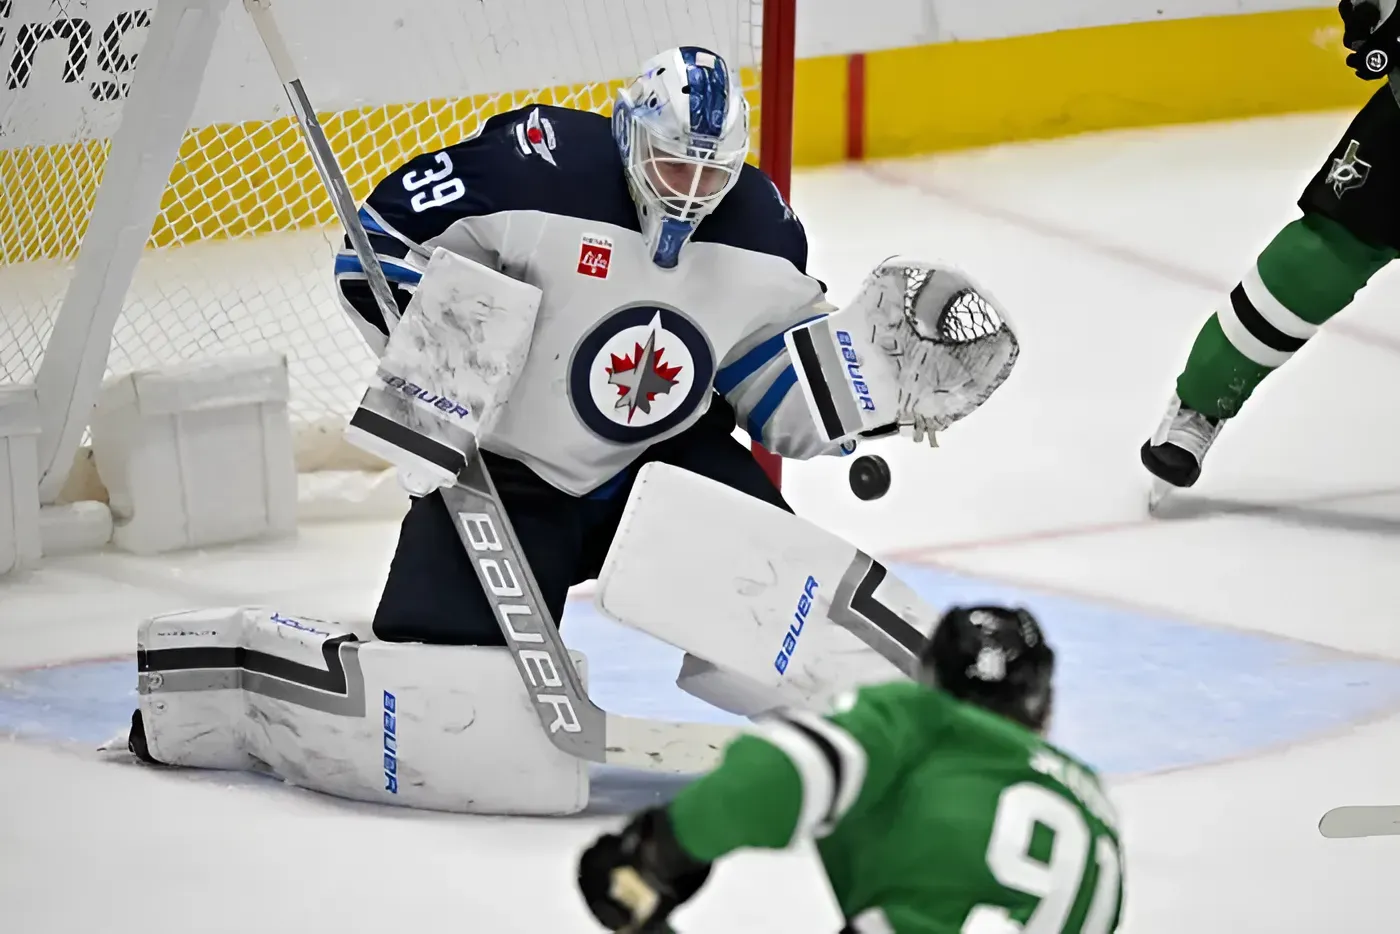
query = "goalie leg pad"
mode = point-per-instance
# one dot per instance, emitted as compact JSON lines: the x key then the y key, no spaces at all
{"x":780,"y":603}
{"x":446,"y":728}
{"x":726,"y":690}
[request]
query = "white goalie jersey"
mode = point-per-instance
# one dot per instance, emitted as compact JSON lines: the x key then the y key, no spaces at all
{"x":624,"y":353}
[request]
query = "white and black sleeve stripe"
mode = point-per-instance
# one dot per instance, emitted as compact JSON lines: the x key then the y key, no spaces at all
{"x":829,"y":761}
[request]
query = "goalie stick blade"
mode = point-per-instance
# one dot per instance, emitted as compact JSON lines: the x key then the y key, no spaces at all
{"x":1361,"y":821}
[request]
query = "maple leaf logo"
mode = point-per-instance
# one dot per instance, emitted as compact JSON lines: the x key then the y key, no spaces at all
{"x":641,"y":376}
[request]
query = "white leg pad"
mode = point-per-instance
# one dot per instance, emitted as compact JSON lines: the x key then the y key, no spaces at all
{"x":785,"y":607}
{"x":446,"y":728}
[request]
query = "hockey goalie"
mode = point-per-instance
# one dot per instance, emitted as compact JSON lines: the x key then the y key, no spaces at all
{"x":580,"y":312}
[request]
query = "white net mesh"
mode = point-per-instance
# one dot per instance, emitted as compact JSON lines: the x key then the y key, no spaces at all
{"x":239,"y":260}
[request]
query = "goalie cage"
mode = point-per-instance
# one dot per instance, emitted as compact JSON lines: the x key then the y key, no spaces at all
{"x":159,"y":209}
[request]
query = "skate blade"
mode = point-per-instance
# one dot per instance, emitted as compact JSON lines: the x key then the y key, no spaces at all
{"x":1161,"y":491}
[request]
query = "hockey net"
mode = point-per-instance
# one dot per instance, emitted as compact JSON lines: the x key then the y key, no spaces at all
{"x":240,"y":256}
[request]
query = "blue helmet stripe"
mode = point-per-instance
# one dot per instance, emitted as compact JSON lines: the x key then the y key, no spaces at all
{"x":709,"y":92}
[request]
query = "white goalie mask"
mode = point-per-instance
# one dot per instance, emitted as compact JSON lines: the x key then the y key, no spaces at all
{"x":683,"y":131}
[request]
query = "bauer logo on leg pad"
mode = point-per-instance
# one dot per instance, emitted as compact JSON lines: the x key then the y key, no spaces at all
{"x":391,"y":743}
{"x":799,"y":622}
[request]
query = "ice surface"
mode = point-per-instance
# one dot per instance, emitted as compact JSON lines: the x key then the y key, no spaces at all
{"x":1216,"y":665}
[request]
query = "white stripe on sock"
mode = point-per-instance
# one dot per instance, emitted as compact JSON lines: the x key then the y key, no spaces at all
{"x":1273,"y":310}
{"x":1245,"y":342}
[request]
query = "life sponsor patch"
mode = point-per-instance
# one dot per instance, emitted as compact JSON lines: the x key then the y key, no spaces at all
{"x":641,"y":371}
{"x":595,"y":256}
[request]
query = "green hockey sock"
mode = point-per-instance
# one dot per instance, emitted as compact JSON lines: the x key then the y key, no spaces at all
{"x":1309,"y":272}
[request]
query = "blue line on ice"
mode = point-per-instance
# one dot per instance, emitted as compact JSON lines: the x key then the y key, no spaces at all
{"x":1138,"y":693}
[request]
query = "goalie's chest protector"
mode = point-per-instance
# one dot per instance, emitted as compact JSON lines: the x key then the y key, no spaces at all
{"x":624,"y":353}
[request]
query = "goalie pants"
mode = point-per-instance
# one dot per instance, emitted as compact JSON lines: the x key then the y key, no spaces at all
{"x":433,"y":594}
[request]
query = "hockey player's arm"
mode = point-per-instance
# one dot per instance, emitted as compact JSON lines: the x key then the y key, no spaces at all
{"x":801,"y":775}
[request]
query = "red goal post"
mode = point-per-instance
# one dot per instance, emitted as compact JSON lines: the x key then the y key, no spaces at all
{"x":779,"y":56}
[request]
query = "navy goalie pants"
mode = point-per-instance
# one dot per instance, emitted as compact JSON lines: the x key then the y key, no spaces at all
{"x":433,"y":594}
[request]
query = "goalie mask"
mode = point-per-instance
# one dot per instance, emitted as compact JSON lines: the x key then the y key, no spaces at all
{"x":683,"y":131}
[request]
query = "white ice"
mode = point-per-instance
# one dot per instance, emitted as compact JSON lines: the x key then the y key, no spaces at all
{"x":1109,"y":251}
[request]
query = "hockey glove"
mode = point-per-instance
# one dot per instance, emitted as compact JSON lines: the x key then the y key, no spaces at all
{"x":632,"y":881}
{"x":1374,"y":45}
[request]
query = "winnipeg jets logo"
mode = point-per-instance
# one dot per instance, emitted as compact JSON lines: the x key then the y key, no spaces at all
{"x":642,"y":371}
{"x":640,"y":377}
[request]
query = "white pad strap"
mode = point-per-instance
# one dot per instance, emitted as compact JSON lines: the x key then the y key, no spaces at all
{"x":447,"y":370}
{"x":800,"y":613}
{"x":437,"y":727}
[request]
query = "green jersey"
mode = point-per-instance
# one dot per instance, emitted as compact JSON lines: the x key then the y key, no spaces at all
{"x":931,"y":816}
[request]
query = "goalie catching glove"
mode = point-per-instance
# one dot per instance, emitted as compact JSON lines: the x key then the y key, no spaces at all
{"x":920,"y":347}
{"x":633,"y":880}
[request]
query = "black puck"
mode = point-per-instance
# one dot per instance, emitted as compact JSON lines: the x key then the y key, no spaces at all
{"x":870,"y":477}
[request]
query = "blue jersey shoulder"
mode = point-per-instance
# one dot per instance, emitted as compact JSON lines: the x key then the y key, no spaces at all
{"x":540,"y":158}
{"x":754,"y":216}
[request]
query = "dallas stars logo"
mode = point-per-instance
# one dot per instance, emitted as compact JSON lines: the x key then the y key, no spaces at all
{"x":641,"y":376}
{"x":1349,"y":171}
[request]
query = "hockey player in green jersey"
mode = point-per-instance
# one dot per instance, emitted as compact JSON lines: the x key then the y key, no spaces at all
{"x":936,"y":805}
{"x":1311,"y":270}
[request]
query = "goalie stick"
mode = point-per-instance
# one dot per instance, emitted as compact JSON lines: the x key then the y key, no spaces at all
{"x":572,"y":721}
{"x":1361,"y":821}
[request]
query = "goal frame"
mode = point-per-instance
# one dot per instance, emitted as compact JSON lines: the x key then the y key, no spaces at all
{"x":165,"y":86}
{"x":775,"y":134}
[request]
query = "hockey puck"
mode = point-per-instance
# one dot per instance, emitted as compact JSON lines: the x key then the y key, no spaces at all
{"x":870,"y":477}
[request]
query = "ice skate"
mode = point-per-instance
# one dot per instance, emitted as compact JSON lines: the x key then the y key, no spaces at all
{"x":1175,"y":453}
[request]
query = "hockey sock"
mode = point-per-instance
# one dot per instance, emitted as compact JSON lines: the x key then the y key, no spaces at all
{"x":1309,"y":272}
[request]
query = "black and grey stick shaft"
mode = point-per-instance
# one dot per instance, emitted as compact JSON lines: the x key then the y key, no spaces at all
{"x":324,"y":158}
